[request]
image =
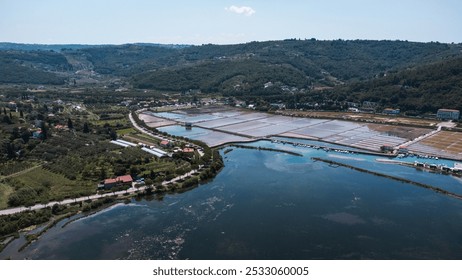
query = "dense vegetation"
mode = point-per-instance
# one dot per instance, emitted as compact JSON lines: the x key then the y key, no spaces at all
{"x":422,"y":89}
{"x":326,"y":62}
{"x":33,"y":67}
{"x":227,"y":76}
{"x":51,"y":150}
{"x":239,"y":69}
{"x":11,"y":72}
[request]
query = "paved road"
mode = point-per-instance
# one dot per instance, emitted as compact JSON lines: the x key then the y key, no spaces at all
{"x":10,"y":211}
{"x":142,"y":129}
{"x":145,"y":131}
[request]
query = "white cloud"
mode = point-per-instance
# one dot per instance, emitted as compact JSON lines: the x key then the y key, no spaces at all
{"x":243,"y":10}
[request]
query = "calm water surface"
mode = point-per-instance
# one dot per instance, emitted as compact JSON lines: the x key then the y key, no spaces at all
{"x":272,"y":205}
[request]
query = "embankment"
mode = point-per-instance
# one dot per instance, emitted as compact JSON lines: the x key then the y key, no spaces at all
{"x":404,"y":180}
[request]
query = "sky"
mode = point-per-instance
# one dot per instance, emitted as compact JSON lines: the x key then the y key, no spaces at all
{"x":227,"y":21}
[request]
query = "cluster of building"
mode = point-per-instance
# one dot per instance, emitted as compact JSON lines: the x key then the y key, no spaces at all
{"x":457,"y":169}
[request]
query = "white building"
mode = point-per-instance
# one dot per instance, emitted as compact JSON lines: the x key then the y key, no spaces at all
{"x":448,"y":114}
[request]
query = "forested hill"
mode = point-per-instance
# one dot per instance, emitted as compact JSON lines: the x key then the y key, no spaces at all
{"x":32,"y":67}
{"x":422,"y":89}
{"x":298,"y":63}
{"x":252,"y":68}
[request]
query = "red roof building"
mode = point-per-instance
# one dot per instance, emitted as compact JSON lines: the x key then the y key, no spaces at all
{"x":165,"y":143}
{"x":126,"y":179}
{"x":119,"y":181}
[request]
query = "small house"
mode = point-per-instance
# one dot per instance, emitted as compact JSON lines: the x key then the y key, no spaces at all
{"x":188,"y":150}
{"x":165,"y":144}
{"x":125,"y":180}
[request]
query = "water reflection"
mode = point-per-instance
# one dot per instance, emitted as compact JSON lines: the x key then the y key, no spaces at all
{"x":271,"y":205}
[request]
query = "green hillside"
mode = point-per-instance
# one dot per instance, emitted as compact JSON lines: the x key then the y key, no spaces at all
{"x":13,"y":73}
{"x":33,"y":67}
{"x":324,"y":63}
{"x":301,"y":72}
{"x":423,"y":89}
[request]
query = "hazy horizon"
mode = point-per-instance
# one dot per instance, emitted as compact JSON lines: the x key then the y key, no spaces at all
{"x":226,"y":22}
{"x":218,"y":44}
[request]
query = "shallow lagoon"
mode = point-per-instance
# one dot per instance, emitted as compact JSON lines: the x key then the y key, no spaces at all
{"x":272,"y":205}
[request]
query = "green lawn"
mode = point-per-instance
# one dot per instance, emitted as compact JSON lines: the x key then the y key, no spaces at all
{"x":112,"y":122}
{"x":146,"y":138}
{"x":53,"y":186}
{"x":5,"y":191}
{"x":125,"y":131}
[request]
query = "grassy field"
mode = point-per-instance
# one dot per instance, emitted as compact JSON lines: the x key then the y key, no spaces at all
{"x":53,"y":186}
{"x":142,"y":139}
{"x":5,"y":191}
{"x":125,"y":131}
{"x":114,"y":122}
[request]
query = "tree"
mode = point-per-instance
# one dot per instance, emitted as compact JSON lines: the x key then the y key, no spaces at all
{"x":9,"y":149}
{"x":25,"y":135}
{"x":134,"y":171}
{"x":15,"y":133}
{"x":102,"y":174}
{"x":113,"y":134}
{"x":70,"y":125}
{"x":55,"y":209}
{"x":86,"y":129}
{"x":44,"y":129}
{"x":6,"y":119}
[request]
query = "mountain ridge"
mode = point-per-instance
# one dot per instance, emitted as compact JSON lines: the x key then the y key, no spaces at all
{"x":312,"y":70}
